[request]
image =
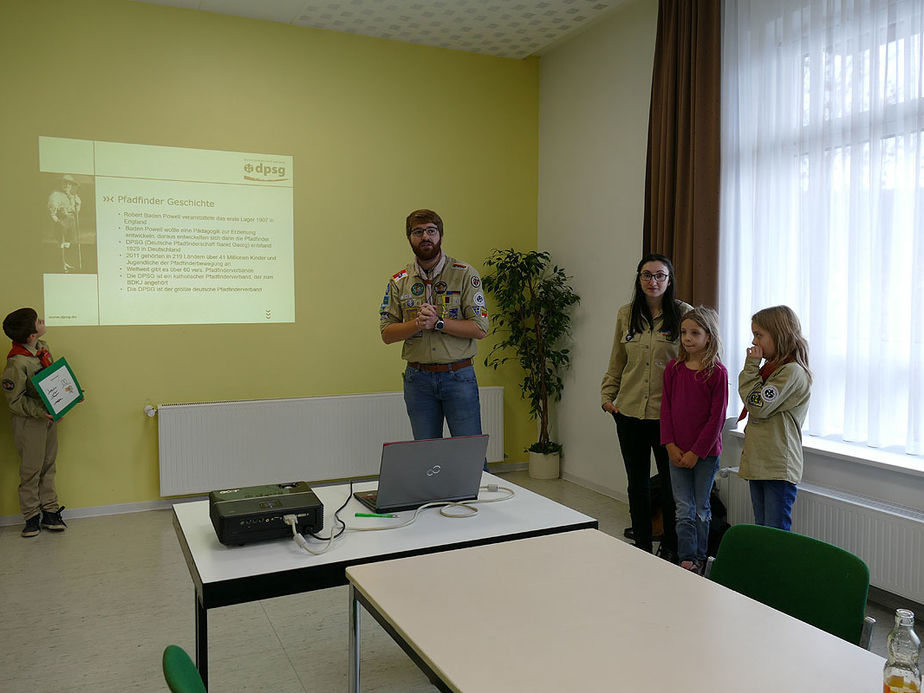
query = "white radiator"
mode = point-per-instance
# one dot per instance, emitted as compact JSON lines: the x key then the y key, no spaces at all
{"x":889,"y":538}
{"x":214,"y":445}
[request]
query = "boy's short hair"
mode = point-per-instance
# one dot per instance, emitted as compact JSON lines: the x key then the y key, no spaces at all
{"x":20,"y":324}
{"x":423,"y":216}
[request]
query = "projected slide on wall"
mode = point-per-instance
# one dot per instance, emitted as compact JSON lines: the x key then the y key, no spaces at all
{"x":149,"y":235}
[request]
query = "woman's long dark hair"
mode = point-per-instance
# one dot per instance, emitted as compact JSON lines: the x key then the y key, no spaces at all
{"x":641,"y":319}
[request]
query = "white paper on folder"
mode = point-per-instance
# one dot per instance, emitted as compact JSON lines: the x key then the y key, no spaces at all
{"x":60,"y":390}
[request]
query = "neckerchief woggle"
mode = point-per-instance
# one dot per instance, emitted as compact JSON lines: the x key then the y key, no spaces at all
{"x":428,"y":276}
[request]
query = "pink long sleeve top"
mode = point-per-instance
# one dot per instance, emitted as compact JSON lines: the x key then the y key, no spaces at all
{"x":693,"y":408}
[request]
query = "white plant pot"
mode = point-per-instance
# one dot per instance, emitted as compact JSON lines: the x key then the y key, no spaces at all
{"x":543,"y":466}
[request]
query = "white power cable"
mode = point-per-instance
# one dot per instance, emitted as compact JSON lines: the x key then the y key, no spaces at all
{"x":292,"y":521}
{"x":465,"y":509}
{"x":300,"y":540}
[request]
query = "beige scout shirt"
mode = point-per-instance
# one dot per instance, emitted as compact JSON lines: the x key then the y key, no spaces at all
{"x":776,"y":412}
{"x":458,"y":296}
{"x":635,"y":377}
{"x":21,"y":395}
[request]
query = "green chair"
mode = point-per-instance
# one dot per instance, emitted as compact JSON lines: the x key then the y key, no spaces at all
{"x":811,"y":580}
{"x":180,"y":673}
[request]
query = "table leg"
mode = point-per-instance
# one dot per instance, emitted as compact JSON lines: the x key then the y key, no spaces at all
{"x":355,"y":615}
{"x":202,"y":642}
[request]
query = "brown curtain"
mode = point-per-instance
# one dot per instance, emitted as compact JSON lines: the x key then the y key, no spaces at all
{"x":682,"y":177}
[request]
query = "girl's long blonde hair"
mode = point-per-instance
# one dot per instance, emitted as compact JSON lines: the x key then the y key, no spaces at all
{"x":783,"y":325}
{"x":708,"y":319}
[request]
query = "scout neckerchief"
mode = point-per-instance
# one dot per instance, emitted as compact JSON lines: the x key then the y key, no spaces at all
{"x":43,"y":354}
{"x":765,"y":372}
{"x":428,"y":276}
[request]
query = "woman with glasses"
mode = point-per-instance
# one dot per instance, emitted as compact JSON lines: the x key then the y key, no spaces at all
{"x":646,"y":339}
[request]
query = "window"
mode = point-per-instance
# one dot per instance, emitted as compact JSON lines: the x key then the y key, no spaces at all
{"x":823,"y":201}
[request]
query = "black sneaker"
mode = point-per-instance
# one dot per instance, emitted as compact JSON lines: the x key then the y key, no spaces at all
{"x":32,"y":526}
{"x":53,"y":521}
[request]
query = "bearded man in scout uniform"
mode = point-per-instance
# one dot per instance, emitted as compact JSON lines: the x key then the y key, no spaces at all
{"x":64,"y":208}
{"x":436,"y":307}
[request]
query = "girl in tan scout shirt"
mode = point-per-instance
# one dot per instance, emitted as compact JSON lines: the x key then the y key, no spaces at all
{"x":647,"y":334}
{"x":776,"y":399}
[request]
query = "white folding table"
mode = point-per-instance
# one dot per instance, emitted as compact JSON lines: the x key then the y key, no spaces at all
{"x":224,"y":575}
{"x":583,"y":611}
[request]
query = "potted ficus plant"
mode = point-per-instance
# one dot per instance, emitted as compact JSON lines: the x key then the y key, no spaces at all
{"x":532,"y":315}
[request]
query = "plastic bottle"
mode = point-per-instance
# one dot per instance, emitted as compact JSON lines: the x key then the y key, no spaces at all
{"x":901,"y":673}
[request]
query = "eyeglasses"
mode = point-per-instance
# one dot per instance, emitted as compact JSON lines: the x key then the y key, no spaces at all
{"x":431,"y":231}
{"x":648,"y":276}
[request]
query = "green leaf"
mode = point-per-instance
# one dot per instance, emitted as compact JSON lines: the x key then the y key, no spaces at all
{"x":532,"y":318}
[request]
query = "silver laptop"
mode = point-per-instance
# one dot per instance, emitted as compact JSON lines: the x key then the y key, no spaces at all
{"x":427,"y":471}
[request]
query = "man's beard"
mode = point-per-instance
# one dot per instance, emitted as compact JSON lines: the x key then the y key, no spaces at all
{"x":426,"y":254}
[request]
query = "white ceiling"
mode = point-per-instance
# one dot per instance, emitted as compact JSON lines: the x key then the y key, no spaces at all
{"x":505,"y":28}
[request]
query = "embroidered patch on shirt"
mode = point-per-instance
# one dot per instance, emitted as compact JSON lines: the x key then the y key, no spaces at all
{"x":459,"y":265}
{"x":417,"y":289}
{"x":8,"y":385}
{"x":484,"y":313}
{"x":755,"y":400}
{"x":476,"y":282}
{"x":479,"y":299}
{"x":769,"y":393}
{"x":440,"y":287}
{"x":401,"y":275}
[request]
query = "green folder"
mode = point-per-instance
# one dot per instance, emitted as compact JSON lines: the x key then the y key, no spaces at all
{"x":58,"y":387}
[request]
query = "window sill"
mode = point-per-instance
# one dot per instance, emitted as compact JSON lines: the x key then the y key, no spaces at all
{"x":878,"y":458}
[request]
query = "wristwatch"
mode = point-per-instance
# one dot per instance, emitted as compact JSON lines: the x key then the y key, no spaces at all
{"x":439,"y":325}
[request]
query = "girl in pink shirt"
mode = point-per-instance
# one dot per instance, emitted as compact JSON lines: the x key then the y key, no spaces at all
{"x":692,"y":414}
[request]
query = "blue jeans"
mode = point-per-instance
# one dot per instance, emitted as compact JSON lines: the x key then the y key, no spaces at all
{"x":772,"y":501}
{"x":691,"y":489}
{"x":431,"y":397}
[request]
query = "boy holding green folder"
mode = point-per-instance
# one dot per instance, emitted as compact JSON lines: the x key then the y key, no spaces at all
{"x":35,"y":432}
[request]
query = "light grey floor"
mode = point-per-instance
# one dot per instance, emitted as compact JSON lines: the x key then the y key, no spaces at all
{"x":92,"y":608}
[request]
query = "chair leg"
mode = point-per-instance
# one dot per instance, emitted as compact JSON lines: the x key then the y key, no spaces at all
{"x":707,"y":571}
{"x":867,"y":633}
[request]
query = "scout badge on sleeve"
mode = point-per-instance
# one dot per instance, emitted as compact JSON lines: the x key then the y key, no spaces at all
{"x":386,"y":299}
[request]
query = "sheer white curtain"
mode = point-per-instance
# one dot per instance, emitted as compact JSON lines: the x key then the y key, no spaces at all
{"x":823,"y":201}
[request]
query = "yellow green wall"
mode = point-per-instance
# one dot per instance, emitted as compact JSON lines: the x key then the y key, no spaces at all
{"x":376,"y":128}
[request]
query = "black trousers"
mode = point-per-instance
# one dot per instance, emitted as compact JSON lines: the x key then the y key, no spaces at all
{"x":638,"y":439}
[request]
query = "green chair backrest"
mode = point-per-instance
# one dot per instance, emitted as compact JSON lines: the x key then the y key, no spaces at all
{"x":811,"y":580}
{"x":180,"y":673}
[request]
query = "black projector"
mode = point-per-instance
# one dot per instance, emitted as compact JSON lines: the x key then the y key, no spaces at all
{"x":245,"y":515}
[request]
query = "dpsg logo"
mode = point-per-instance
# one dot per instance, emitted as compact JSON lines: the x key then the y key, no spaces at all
{"x":434,"y":470}
{"x":264,"y":171}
